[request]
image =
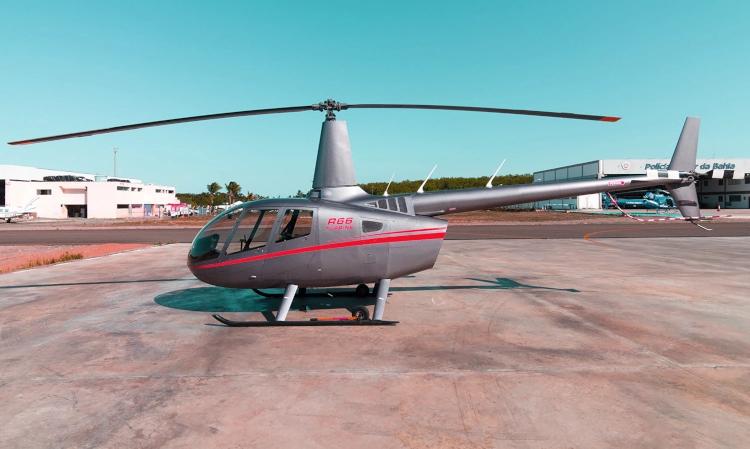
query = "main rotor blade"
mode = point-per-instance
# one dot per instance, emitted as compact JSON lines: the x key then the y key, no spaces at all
{"x":195,"y":118}
{"x":328,"y":105}
{"x":601,"y":118}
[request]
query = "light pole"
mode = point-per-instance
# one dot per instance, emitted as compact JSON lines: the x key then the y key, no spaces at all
{"x":114,"y":161}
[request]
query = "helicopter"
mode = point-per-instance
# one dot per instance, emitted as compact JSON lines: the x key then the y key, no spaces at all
{"x":340,"y":235}
{"x":641,"y":199}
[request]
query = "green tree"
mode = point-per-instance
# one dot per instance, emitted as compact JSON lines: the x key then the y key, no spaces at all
{"x":213,"y":189}
{"x":234,"y":190}
{"x":409,"y":186}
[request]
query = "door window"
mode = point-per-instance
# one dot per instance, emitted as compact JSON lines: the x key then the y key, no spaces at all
{"x":253,"y":230}
{"x":296,"y":223}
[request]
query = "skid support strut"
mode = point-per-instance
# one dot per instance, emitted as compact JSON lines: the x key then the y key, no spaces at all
{"x":382,"y":295}
{"x":286,"y":303}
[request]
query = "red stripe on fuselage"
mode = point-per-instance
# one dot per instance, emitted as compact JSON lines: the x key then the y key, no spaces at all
{"x":407,"y":231}
{"x":325,"y":247}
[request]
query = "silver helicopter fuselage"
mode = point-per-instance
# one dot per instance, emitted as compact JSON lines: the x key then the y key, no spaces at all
{"x":351,"y":237}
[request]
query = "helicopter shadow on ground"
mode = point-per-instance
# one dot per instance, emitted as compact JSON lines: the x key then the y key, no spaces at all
{"x":220,"y":299}
{"x":488,"y":284}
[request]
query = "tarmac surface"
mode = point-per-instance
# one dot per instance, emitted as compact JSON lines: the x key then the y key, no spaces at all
{"x":37,"y":235}
{"x":635,"y":343}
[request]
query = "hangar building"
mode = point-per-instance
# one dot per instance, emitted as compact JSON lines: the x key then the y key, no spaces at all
{"x":61,"y":194}
{"x":728,"y":185}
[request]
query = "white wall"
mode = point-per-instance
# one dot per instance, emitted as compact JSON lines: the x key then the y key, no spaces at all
{"x":593,"y":201}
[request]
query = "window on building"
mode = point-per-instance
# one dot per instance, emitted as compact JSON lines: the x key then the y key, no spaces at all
{"x":575,"y":171}
{"x":705,"y":183}
{"x":721,"y":182}
{"x":170,"y":191}
{"x":158,"y":190}
{"x":371,"y":226}
{"x":733,"y":198}
{"x":591,"y":169}
{"x":44,"y":192}
{"x":123,"y":188}
{"x":296,"y":223}
{"x":123,"y":206}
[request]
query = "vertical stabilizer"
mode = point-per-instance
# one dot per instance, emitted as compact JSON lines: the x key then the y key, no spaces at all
{"x":683,"y":159}
{"x":686,"y":150}
{"x":334,"y":166}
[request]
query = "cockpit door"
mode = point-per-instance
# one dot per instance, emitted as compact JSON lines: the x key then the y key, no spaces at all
{"x":292,"y":248}
{"x":249,"y":242}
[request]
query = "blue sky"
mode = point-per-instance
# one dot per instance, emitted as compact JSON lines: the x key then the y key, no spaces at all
{"x":70,"y":66}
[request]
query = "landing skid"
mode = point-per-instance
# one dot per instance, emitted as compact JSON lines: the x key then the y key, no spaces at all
{"x":314,"y":322}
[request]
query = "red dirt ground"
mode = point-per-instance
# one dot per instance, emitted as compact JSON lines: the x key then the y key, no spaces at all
{"x":13,"y":258}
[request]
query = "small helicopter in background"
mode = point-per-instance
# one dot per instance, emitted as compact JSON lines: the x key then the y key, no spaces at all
{"x":639,"y":199}
{"x":339,"y":235}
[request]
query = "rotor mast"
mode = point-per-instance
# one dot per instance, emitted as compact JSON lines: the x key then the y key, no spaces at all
{"x":334,"y":167}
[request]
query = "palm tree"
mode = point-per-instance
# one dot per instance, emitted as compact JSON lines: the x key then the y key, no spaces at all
{"x":233,"y":190}
{"x":213,"y":189}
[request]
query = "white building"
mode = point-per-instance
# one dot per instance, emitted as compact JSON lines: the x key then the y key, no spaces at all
{"x":726,"y":184}
{"x":62,"y":194}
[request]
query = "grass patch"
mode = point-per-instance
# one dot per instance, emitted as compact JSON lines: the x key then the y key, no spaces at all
{"x":64,"y":257}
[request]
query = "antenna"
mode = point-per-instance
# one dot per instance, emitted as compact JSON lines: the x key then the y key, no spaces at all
{"x":389,"y":184}
{"x":492,"y":178}
{"x":114,"y":161}
{"x":421,"y":188}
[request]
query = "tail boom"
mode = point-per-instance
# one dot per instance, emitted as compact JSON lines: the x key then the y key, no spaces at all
{"x":679,"y":180}
{"x":464,"y":200}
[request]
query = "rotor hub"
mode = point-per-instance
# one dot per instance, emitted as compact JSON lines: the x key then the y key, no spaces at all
{"x":330,"y":105}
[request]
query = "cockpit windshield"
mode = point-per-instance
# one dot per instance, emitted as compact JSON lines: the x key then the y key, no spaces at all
{"x":210,"y":240}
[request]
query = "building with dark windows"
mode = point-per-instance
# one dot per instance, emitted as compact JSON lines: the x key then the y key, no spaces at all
{"x":726,"y":185}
